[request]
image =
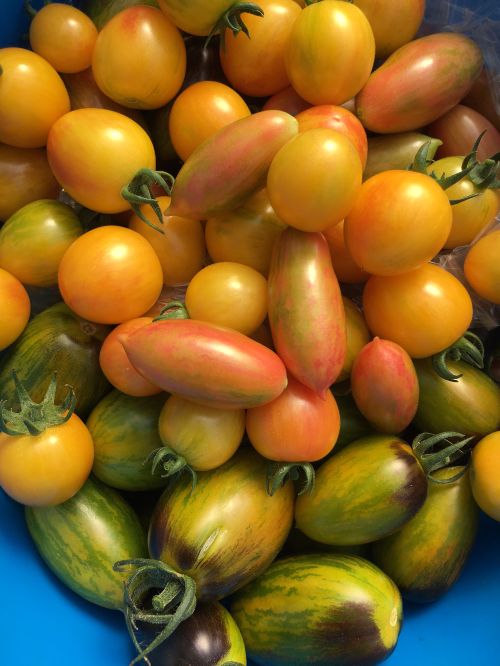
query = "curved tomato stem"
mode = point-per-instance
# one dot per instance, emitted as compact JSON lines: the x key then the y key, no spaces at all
{"x":424,"y":447}
{"x":233,"y":21}
{"x":171,"y":463}
{"x":138,"y":192}
{"x":279,"y":473}
{"x":29,"y":9}
{"x":173,"y":310}
{"x":468,"y":348}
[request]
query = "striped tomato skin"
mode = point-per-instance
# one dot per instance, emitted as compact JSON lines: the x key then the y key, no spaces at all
{"x":319,"y":609}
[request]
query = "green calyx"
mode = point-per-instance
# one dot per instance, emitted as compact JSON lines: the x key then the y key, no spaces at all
{"x":172,"y":605}
{"x":437,"y":451}
{"x":279,"y":473}
{"x":171,"y":464}
{"x":138,"y":192}
{"x":232,"y":20}
{"x":173,"y":310}
{"x":468,"y":348}
{"x":33,"y":418}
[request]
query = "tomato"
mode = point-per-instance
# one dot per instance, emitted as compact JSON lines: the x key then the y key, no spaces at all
{"x":424,"y":311}
{"x":228,"y":294}
{"x":205,"y":437}
{"x":481,"y":97}
{"x":330,"y":52}
{"x":482,"y":267}
{"x":246,"y":234}
{"x":399,"y":220}
{"x":312,"y":195}
{"x":199,"y":111}
{"x":396,"y":151}
{"x":287,"y":100}
{"x":197,"y":17}
{"x":469,"y":217}
{"x":297,"y":426}
{"x":181,"y":246}
{"x":339,"y":119}
{"x":15,"y":308}
{"x":34,"y":239}
{"x":94,"y":153}
{"x":101,"y":12}
{"x":25,"y":176}
{"x":139,"y":82}
{"x":357,"y":336}
{"x":109,"y":275}
{"x":344,"y":265}
{"x":241,"y":58}
{"x":29,"y":82}
{"x":64,"y":36}
{"x":485,"y":474}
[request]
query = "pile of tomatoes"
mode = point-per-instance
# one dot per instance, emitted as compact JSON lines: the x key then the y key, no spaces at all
{"x":249,"y":272}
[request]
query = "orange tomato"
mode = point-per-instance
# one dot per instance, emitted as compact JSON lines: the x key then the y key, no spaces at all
{"x":15,"y":308}
{"x":346,"y":269}
{"x":485,"y":474}
{"x":287,"y":100}
{"x":357,"y":336}
{"x":482,"y":267}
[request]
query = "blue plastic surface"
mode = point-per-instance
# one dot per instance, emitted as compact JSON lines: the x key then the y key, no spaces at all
{"x":42,"y":623}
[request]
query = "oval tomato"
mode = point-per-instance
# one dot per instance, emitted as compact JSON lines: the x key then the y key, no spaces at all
{"x":395,"y":151}
{"x":482,"y":267}
{"x":287,"y":100}
{"x":485,"y":474}
{"x":197,"y":17}
{"x":346,"y":269}
{"x":357,"y":336}
{"x":15,"y":308}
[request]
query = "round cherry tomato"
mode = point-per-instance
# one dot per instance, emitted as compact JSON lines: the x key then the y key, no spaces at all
{"x":313,"y":194}
{"x":241,"y":58}
{"x":29,"y":82}
{"x":15,"y":308}
{"x":94,"y":153}
{"x":482,"y":267}
{"x":485,"y":474}
{"x":228,"y":294}
{"x":139,"y":82}
{"x":399,"y":220}
{"x":64,"y":36}
{"x":330,"y":52}
{"x":110,"y":275}
{"x":346,"y":269}
{"x":424,"y":310}
{"x":199,"y":111}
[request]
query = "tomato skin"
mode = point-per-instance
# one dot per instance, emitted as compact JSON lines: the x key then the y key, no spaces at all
{"x":28,"y":82}
{"x":306,"y":313}
{"x":357,"y":336}
{"x":197,"y":17}
{"x":330,"y":52}
{"x":485,"y":473}
{"x":346,"y":269}
{"x":399,"y":221}
{"x":424,"y":311}
{"x":15,"y":308}
{"x":296,"y":426}
{"x":101,"y":12}
{"x":481,"y":267}
{"x":481,"y":97}
{"x":46,"y":469}
{"x":434,"y":72}
{"x":241,"y":58}
{"x":286,"y":100}
{"x":394,"y":151}
{"x":209,"y":364}
{"x":94,"y":153}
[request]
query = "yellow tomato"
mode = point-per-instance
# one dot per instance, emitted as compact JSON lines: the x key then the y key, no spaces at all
{"x":357,"y":336}
{"x":15,"y":308}
{"x":485,"y":474}
{"x":482,"y":267}
{"x":346,"y":269}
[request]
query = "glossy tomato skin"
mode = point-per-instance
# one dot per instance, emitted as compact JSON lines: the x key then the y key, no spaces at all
{"x":28,"y":82}
{"x":94,"y":153}
{"x":241,"y":58}
{"x":225,"y":531}
{"x":357,"y":336}
{"x":424,"y":311}
{"x":346,"y":269}
{"x":297,"y":426}
{"x":196,"y":17}
{"x":481,"y":267}
{"x":287,"y":100}
{"x":306,"y":312}
{"x":209,"y":364}
{"x":484,"y":474}
{"x":15,"y":308}
{"x":330,"y":52}
{"x":434,"y":72}
{"x":395,"y":151}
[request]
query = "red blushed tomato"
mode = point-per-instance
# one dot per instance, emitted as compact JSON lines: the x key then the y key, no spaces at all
{"x":46,"y":469}
{"x":15,"y":308}
{"x":297,"y":426}
{"x":29,"y":82}
{"x":200,"y":111}
{"x":242,"y":58}
{"x":330,"y":52}
{"x":94,"y":153}
{"x":485,"y":474}
{"x":116,"y":366}
{"x":312,"y":195}
{"x":139,"y":82}
{"x":228,"y":294}
{"x":287,"y":100}
{"x":181,"y":247}
{"x":346,"y":269}
{"x":399,"y":221}
{"x":110,"y":275}
{"x":424,"y":311}
{"x":339,"y":119}
{"x":482,"y":267}
{"x":64,"y":36}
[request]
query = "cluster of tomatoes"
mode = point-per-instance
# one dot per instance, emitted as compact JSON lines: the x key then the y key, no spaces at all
{"x":266,"y":334}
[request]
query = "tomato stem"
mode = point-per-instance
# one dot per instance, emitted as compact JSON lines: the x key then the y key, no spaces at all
{"x":232,"y":20}
{"x":432,"y":460}
{"x":172,"y":463}
{"x":29,"y":9}
{"x":468,"y":348}
{"x":173,"y":310}
{"x":279,"y":473}
{"x":138,"y":192}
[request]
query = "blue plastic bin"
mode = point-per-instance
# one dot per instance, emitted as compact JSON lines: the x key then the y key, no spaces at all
{"x":42,"y":623}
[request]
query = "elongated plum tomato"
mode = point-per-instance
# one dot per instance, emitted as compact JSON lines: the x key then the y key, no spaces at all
{"x":110,"y":275}
{"x":482,"y":267}
{"x":296,"y":426}
{"x":424,"y":310}
{"x":94,"y":153}
{"x":29,"y":82}
{"x":15,"y":308}
{"x":312,"y":195}
{"x":485,"y":474}
{"x":399,"y":220}
{"x":330,"y":52}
